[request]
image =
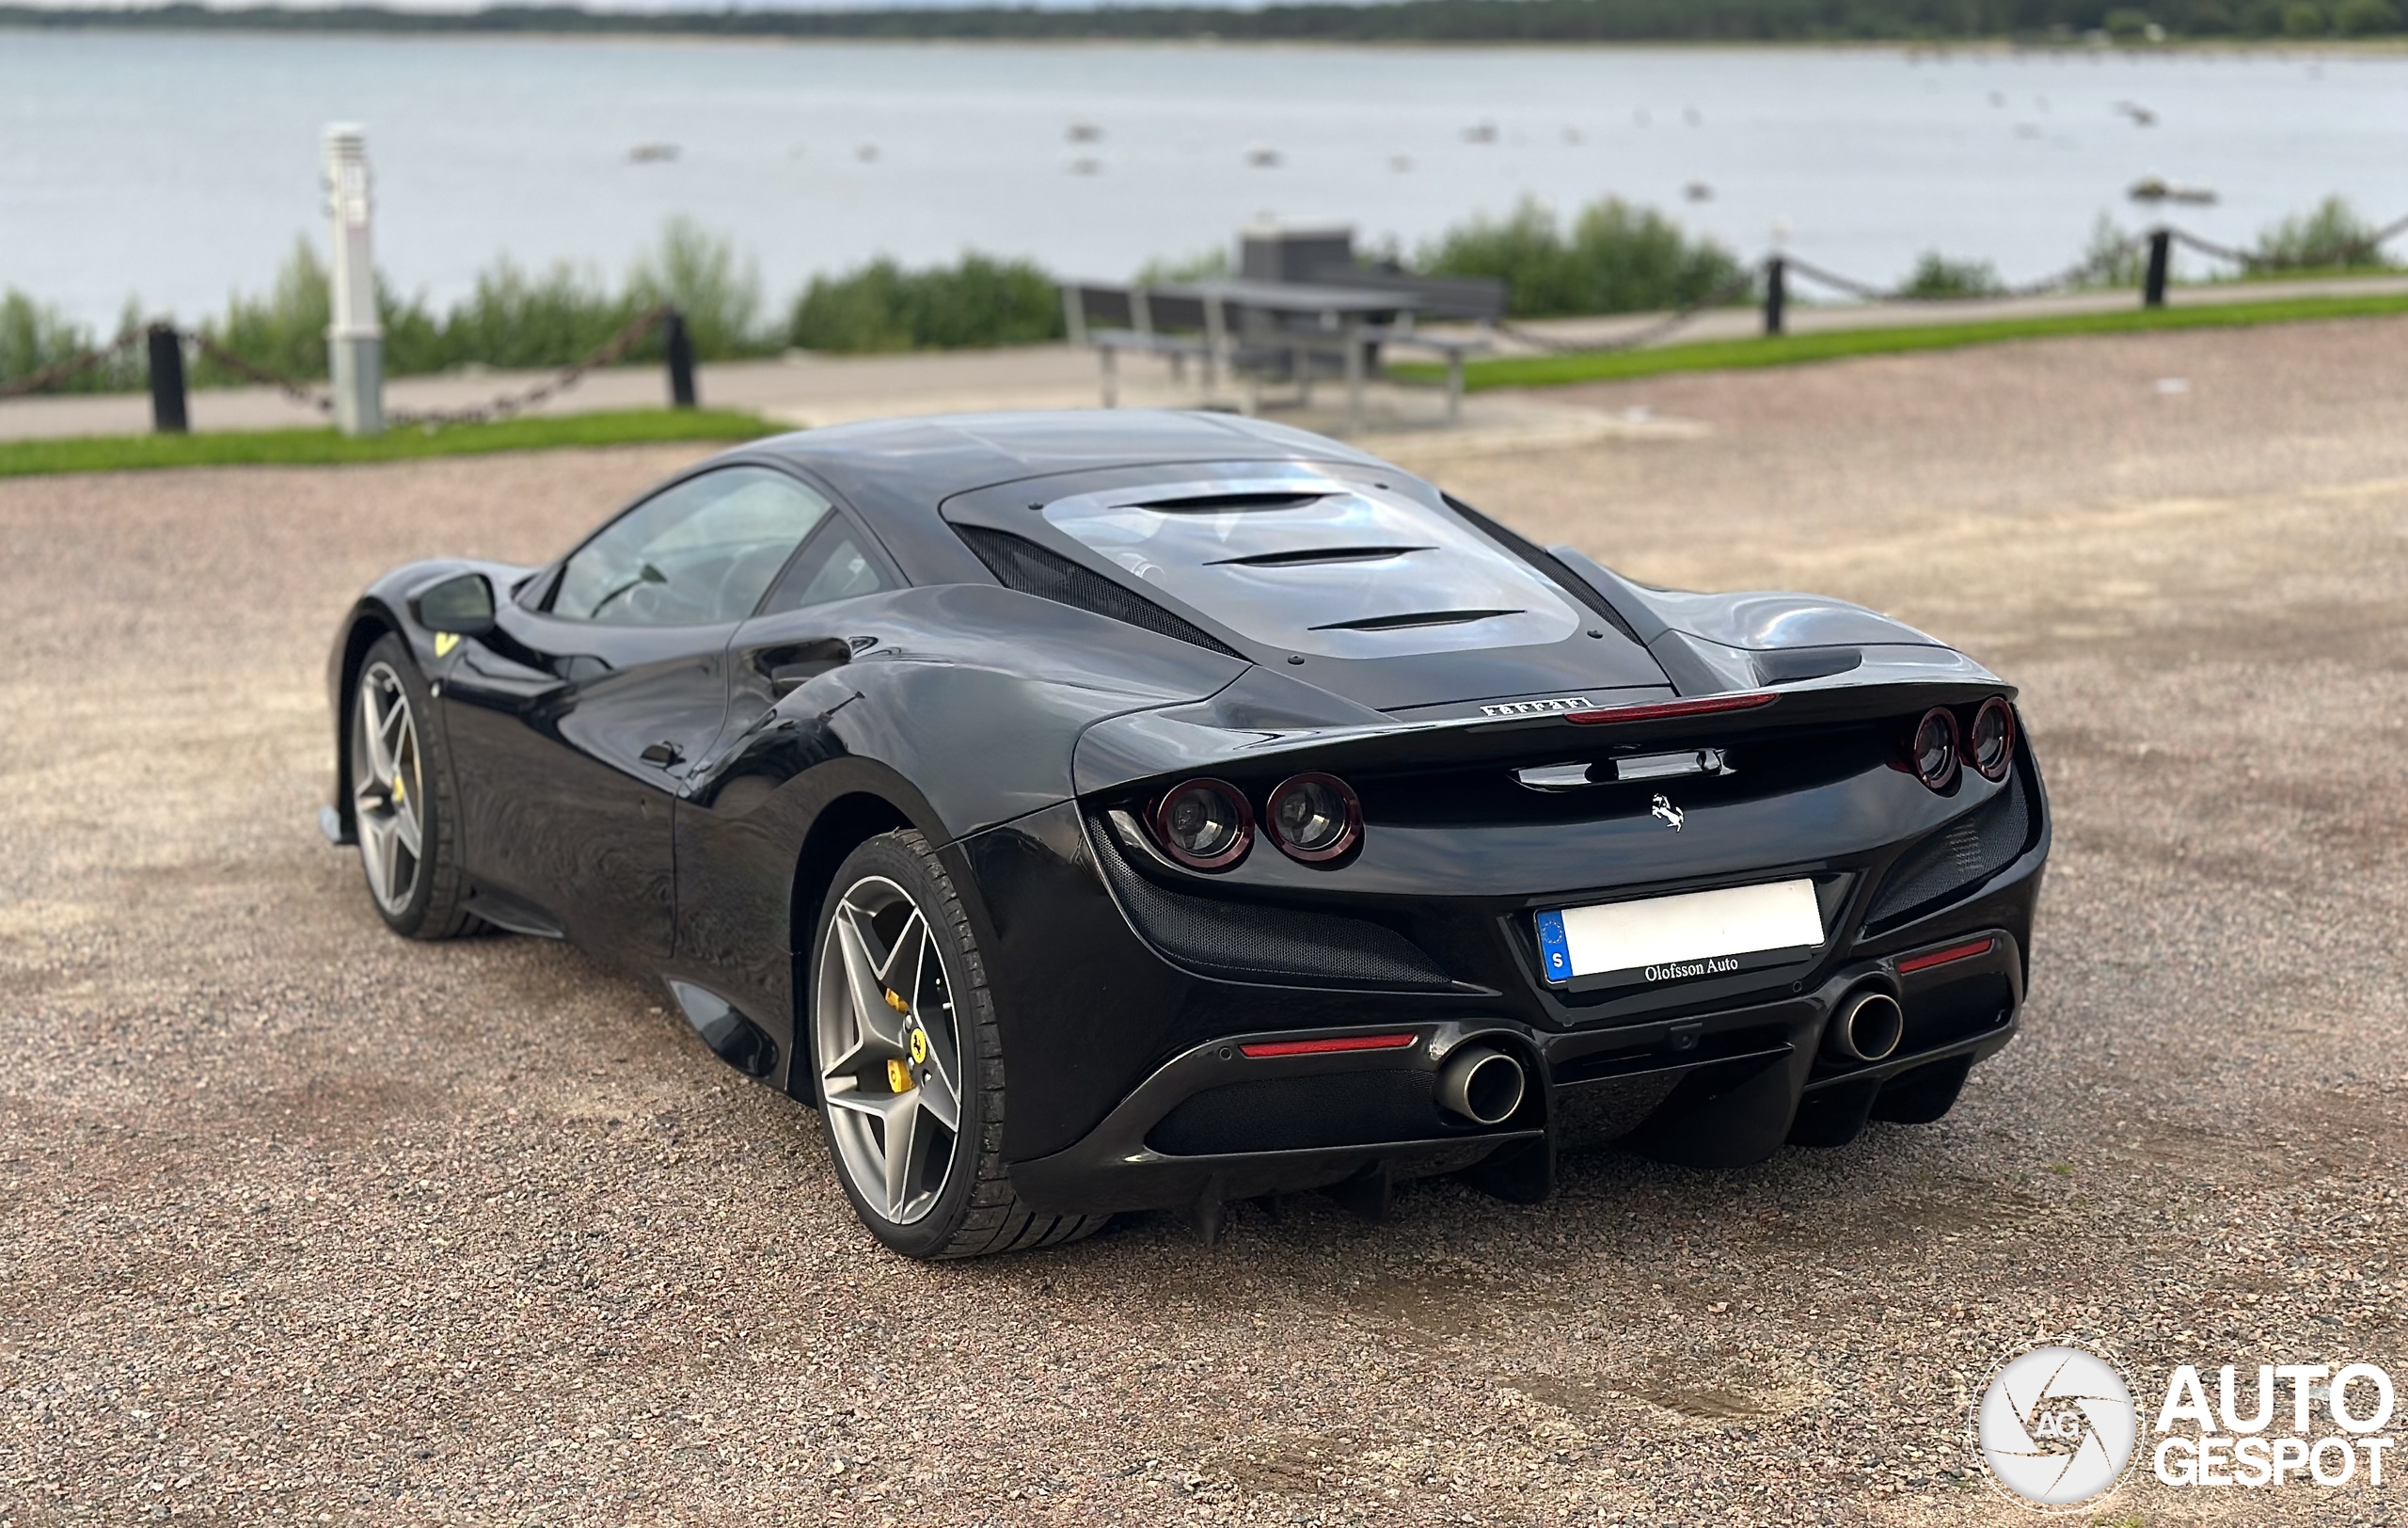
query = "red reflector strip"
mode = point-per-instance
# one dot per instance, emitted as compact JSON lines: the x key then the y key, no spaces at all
{"x":1324,"y":1047}
{"x":1942,"y":957}
{"x":1661,"y":709}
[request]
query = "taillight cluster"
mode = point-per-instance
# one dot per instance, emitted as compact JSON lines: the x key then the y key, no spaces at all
{"x":1208,"y":824}
{"x":1940,"y":744}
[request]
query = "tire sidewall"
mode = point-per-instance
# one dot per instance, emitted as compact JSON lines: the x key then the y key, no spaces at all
{"x":903,"y":858}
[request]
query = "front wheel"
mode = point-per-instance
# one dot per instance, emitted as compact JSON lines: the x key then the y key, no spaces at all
{"x":910,"y":1062}
{"x":400,"y":804}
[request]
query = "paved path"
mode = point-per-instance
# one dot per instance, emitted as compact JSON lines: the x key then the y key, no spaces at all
{"x":805,"y":390}
{"x":300,"y":1223}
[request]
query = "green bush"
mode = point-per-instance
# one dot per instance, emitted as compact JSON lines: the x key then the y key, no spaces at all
{"x":510,"y":318}
{"x":1211,"y":264}
{"x":2304,"y":18}
{"x":513,"y":319}
{"x":1936,"y":276}
{"x":34,"y":335}
{"x":2365,"y":18}
{"x":1617,"y":259}
{"x":2113,"y":257}
{"x":2126,"y":25}
{"x":2333,"y":236}
{"x":979,"y":301}
{"x":283,"y":332}
{"x":699,"y":274}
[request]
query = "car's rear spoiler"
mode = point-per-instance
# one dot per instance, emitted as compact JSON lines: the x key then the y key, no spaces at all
{"x":1265,"y":714}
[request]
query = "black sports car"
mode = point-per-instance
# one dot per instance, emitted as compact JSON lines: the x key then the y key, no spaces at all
{"x":1099,"y":811}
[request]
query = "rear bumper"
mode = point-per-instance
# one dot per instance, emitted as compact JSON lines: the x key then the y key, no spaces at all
{"x":1719,"y":1087}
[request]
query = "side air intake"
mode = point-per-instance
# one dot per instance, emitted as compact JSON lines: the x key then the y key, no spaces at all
{"x":1021,"y":563}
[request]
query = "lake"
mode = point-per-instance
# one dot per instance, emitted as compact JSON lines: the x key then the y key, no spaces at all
{"x":182,"y":167}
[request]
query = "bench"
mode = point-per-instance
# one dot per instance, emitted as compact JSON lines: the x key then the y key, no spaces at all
{"x":1118,"y":319}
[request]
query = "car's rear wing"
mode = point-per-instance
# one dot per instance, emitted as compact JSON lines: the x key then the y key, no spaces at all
{"x":1264,"y":716}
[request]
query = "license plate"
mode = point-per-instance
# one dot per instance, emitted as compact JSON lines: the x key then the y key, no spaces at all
{"x":1698,"y":933}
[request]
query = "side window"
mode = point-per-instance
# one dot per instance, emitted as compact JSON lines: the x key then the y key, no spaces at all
{"x":696,"y":554}
{"x":833,"y":566}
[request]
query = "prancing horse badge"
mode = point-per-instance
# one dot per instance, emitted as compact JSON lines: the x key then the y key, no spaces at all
{"x":1671,"y":816}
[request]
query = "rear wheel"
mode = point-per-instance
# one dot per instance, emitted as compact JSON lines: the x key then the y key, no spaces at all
{"x":910,"y":1062}
{"x":400,"y":799}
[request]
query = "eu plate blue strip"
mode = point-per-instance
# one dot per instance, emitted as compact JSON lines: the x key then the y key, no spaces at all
{"x":1554,"y":953}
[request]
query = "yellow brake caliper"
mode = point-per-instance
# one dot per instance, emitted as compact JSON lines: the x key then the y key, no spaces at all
{"x":898,"y":1076}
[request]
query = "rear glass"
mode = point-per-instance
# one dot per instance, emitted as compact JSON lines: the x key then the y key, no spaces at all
{"x":1311,"y":565}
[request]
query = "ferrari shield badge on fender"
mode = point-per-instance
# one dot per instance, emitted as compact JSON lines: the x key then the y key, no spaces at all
{"x":1670,"y":815}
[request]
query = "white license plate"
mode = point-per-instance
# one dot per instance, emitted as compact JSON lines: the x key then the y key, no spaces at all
{"x":1699,"y":934}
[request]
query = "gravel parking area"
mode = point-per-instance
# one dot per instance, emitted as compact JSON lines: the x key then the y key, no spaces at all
{"x":302,"y":1222}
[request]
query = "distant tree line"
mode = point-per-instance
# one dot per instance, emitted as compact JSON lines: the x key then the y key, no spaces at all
{"x":1398,"y":20}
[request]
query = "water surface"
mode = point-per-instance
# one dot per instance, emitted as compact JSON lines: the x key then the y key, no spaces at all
{"x":181,"y":167}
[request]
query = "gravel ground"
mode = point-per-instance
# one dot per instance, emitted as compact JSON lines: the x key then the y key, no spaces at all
{"x":301,"y":1222}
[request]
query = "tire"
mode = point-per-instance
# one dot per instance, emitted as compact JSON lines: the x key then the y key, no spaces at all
{"x":399,"y":778}
{"x":903,"y":1034}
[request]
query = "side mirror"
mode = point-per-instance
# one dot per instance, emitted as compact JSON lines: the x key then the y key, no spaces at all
{"x":461,"y":605}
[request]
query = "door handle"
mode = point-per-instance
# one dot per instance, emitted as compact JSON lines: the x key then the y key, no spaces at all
{"x":662,"y":753}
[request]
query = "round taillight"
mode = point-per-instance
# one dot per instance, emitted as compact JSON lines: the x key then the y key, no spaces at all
{"x":1203,"y":824}
{"x":1933,"y":751}
{"x":1990,"y":744}
{"x":1314,"y":818}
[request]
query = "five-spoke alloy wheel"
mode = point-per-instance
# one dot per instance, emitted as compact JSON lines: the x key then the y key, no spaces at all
{"x":908,"y":1060}
{"x":399,"y":788}
{"x":890,"y":1052}
{"x":387,"y":785}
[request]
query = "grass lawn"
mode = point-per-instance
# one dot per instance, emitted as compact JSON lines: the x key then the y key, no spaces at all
{"x":120,"y":453}
{"x":1790,"y":349}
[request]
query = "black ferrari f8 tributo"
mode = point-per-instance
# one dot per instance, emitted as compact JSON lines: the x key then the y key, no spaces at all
{"x":1091,"y":812}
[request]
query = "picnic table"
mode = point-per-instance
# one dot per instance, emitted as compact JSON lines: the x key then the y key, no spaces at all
{"x":1251,"y":330}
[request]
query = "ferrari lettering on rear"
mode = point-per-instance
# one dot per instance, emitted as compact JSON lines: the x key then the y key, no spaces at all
{"x":1537,"y":708}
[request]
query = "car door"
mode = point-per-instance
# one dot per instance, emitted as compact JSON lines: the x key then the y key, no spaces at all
{"x":575,"y":721}
{"x":733,"y":865}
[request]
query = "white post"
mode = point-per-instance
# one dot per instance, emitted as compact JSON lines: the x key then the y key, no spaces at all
{"x":355,"y":339}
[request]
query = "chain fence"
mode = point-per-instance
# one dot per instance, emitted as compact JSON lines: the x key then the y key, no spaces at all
{"x":2086,"y":274}
{"x":319,"y":399}
{"x":70,"y":368}
{"x":1679,"y":318}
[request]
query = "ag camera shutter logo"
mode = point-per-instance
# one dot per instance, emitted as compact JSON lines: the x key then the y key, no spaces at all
{"x":2056,"y":1426}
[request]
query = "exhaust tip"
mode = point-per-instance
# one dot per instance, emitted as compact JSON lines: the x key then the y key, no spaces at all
{"x":1482,"y":1084}
{"x":1868,"y":1026}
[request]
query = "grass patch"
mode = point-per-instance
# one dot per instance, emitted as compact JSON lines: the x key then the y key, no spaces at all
{"x":313,"y":447}
{"x":1792,"y":349}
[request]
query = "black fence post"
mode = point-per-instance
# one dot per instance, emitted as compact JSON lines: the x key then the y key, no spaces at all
{"x":681,"y":359}
{"x":1776,"y":294}
{"x":2161,"y":255}
{"x":167,"y":414}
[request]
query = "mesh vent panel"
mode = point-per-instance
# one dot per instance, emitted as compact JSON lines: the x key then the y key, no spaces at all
{"x":1021,"y":563}
{"x":1241,"y":942}
{"x":1972,"y":848}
